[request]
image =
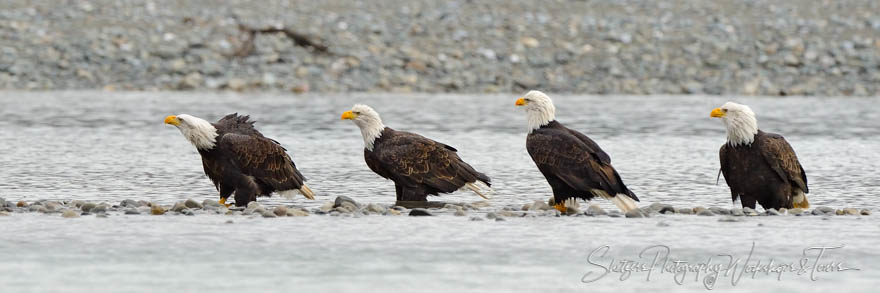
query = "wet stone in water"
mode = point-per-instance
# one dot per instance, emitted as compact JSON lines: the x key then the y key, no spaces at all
{"x":595,"y":210}
{"x":705,"y":213}
{"x":280,"y":211}
{"x":344,"y":199}
{"x":69,"y":214}
{"x":87,"y":207}
{"x":419,"y":212}
{"x":636,"y":213}
{"x":156,"y":209}
{"x":178,"y":207}
{"x":191,"y":203}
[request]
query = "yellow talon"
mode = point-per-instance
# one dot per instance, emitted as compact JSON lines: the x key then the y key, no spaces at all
{"x":223,"y":202}
{"x":561,"y":207}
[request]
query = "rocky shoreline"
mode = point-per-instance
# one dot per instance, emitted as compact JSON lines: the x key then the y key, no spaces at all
{"x":759,"y":47}
{"x":344,"y":206}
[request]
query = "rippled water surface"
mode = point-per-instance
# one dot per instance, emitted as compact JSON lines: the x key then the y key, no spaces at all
{"x":112,"y":146}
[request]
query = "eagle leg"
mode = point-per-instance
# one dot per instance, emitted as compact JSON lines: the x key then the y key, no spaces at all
{"x":561,"y":207}
{"x":223,"y":202}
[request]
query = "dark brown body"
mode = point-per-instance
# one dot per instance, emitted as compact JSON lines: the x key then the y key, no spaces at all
{"x":573,"y":164}
{"x":247,"y":163}
{"x":766,"y":171}
{"x":419,"y":166}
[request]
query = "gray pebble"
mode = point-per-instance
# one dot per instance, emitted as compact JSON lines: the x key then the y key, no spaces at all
{"x":88,"y":206}
{"x":500,"y":219}
{"x":476,"y":219}
{"x":865,"y":212}
{"x":267,"y":214}
{"x":491,"y":215}
{"x":280,"y":211}
{"x":636,"y":213}
{"x":344,"y":199}
{"x":378,"y":209}
{"x":69,"y":214}
{"x":297,"y":213}
{"x":460,"y":213}
{"x":595,"y":210}
{"x":191,"y":203}
{"x":719,"y":211}
{"x":132,"y":212}
{"x":705,"y":213}
{"x":178,"y":207}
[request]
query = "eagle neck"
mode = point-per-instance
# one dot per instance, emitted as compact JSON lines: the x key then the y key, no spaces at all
{"x":371,"y":132}
{"x":540,"y":116}
{"x":741,"y":130}
{"x":201,"y":134}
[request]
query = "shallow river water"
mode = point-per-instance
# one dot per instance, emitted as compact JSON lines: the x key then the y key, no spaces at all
{"x":100,"y":146}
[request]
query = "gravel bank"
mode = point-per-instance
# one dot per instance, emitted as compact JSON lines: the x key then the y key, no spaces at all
{"x":759,"y":47}
{"x":347,"y":207}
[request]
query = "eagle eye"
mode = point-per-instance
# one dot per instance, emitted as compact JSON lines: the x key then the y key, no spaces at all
{"x":356,"y":113}
{"x":725,"y":110}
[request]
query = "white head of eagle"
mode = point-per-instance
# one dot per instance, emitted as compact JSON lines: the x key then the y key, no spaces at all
{"x":740,"y":122}
{"x":368,"y":121}
{"x":197,"y":131}
{"x":539,"y":108}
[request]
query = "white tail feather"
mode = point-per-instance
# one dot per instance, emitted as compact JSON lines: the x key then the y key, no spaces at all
{"x":479,"y":188}
{"x":304,"y":190}
{"x":307,"y":192}
{"x":622,"y":201}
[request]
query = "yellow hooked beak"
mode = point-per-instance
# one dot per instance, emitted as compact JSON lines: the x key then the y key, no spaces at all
{"x":348,"y":115}
{"x":521,"y":102}
{"x":718,"y":113}
{"x":172,"y":120}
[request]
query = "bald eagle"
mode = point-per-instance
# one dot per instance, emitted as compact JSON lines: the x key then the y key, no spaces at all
{"x":238,"y":158}
{"x":573,"y":164}
{"x":418,"y":166}
{"x":759,"y":166}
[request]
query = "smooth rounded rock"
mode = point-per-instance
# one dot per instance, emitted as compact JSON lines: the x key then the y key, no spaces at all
{"x":157,"y":210}
{"x":378,"y":209}
{"x":595,"y":210}
{"x":178,"y":207}
{"x":69,"y":214}
{"x":88,"y":206}
{"x":280,"y":211}
{"x":344,"y":199}
{"x":420,"y":212}
{"x":635,"y":213}
{"x":191,"y":203}
{"x":705,"y":213}
{"x":297,"y":213}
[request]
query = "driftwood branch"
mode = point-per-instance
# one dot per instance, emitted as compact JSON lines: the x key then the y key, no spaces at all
{"x":249,"y":34}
